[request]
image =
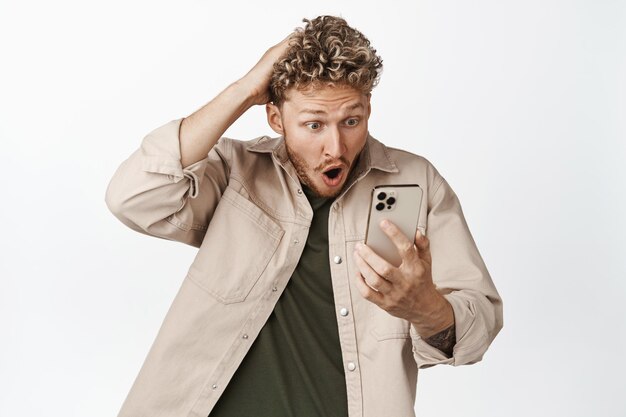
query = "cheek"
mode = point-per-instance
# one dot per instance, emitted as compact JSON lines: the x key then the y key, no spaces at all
{"x":356,"y":143}
{"x":305,"y":148}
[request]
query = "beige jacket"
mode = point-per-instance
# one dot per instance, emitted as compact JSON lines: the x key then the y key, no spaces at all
{"x":243,"y":207}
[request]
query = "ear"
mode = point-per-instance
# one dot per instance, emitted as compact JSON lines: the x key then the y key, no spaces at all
{"x":274,"y":118}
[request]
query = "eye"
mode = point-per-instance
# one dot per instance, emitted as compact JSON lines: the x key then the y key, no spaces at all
{"x":313,"y":125}
{"x":352,"y":122}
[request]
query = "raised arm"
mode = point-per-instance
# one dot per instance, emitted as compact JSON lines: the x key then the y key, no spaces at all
{"x":200,"y":131}
{"x":170,"y":186}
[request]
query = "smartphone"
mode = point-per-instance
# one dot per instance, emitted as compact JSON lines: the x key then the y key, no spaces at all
{"x":401,"y":205}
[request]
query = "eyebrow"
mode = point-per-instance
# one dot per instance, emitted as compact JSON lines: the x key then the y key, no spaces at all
{"x":316,"y":112}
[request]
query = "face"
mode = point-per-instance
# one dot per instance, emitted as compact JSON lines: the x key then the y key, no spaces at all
{"x":325,"y":129}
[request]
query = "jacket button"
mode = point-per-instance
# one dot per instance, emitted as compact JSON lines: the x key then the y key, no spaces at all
{"x":214,"y":386}
{"x":274,"y":289}
{"x":299,"y":191}
{"x":343,"y":312}
{"x":337,"y":259}
{"x":245,"y":336}
{"x":351,"y":366}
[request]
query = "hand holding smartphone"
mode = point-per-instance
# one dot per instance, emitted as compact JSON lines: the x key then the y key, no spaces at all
{"x":400,"y":204}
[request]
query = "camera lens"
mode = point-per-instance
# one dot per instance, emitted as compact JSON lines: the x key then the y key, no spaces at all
{"x":382,"y":196}
{"x":380,"y":206}
{"x":391,"y":200}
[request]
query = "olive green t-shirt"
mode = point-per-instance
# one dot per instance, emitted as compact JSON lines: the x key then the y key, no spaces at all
{"x":294,"y":367}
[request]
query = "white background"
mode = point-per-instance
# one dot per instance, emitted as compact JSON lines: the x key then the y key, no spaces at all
{"x":520,"y":105}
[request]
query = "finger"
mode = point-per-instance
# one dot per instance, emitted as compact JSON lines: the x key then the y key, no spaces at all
{"x":373,"y":279}
{"x":405,"y":247}
{"x":422,"y":243}
{"x":375,"y":262}
{"x":367,"y":292}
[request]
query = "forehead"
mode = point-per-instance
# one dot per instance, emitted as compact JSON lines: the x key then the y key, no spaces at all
{"x":325,"y":99}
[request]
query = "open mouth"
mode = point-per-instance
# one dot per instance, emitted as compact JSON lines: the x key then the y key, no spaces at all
{"x":333,"y":176}
{"x":333,"y":173}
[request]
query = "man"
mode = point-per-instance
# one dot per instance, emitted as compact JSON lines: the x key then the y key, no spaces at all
{"x":284,"y":311}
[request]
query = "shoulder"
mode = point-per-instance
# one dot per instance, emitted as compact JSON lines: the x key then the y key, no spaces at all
{"x":248,"y":158}
{"x":410,"y":164}
{"x":238,"y":149}
{"x":259,"y":144}
{"x":403,"y":157}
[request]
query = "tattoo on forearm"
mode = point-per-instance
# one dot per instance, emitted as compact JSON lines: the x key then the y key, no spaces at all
{"x":444,"y":340}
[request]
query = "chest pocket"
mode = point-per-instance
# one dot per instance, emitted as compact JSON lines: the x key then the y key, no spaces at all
{"x":238,"y":245}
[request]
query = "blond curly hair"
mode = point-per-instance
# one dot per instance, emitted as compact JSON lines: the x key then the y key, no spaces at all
{"x":326,"y":51}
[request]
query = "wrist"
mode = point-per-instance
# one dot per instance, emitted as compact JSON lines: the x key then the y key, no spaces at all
{"x":248,"y":88}
{"x":432,"y":314}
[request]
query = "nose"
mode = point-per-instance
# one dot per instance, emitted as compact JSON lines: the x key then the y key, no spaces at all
{"x":334,"y":146}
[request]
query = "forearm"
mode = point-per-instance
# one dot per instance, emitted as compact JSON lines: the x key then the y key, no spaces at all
{"x":435,"y":322}
{"x":200,"y":131}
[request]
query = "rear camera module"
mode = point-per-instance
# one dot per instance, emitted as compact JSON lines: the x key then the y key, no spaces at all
{"x":382,"y":196}
{"x":380,"y":206}
{"x":391,"y":200}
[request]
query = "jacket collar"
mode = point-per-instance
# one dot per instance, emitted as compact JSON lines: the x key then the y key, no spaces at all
{"x":374,"y":154}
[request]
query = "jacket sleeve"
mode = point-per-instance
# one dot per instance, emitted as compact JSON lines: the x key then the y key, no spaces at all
{"x":152,"y":193}
{"x":461,"y":275}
